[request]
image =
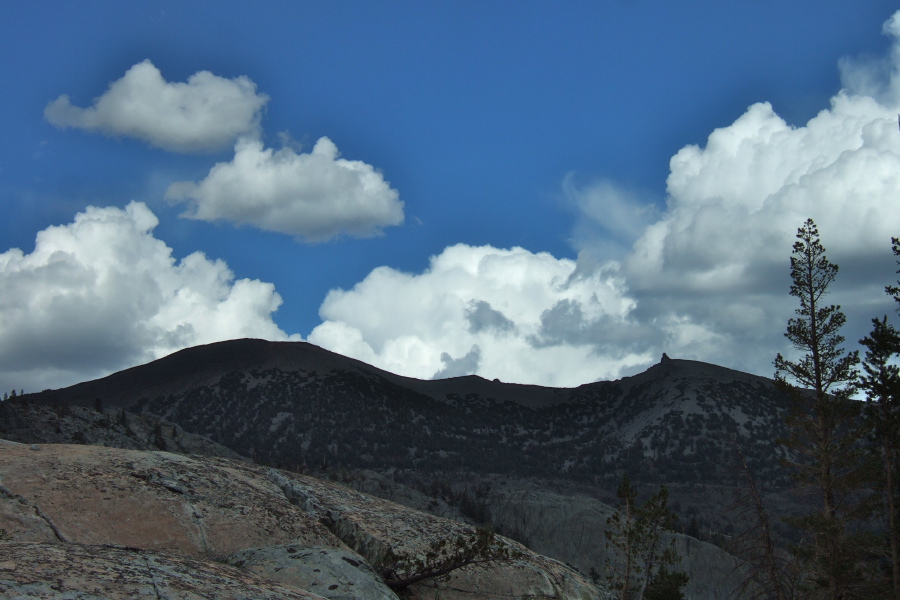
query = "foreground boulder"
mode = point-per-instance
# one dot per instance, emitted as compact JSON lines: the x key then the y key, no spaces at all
{"x":152,"y":500}
{"x":332,"y":572}
{"x":80,"y":572}
{"x":373,"y":526}
{"x":69,"y":504}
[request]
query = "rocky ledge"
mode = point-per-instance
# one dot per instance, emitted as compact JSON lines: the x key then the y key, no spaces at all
{"x":98,"y":522}
{"x":75,"y":571}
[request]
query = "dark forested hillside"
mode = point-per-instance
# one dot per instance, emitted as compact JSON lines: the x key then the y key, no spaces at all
{"x":296,"y":405}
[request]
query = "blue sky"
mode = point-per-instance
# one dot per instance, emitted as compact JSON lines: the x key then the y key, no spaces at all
{"x":522,"y":190}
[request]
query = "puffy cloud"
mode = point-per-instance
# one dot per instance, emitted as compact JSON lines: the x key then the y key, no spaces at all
{"x":102,"y":293}
{"x":457,"y":367}
{"x":315,"y":196}
{"x":203,"y":114}
{"x":875,"y":77}
{"x":482,"y":317}
{"x":610,"y":216}
{"x":714,"y":267}
{"x":489,"y":308}
{"x":734,"y":205}
{"x":706,"y":279}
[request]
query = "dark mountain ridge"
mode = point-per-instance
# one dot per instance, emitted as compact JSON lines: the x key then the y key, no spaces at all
{"x":206,"y":364}
{"x":297,"y":405}
{"x":200,"y":365}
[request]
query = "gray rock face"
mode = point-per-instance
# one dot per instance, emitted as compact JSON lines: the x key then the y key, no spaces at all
{"x":572,"y":528}
{"x":332,"y":573}
{"x":371,"y":526}
{"x":62,"y":504}
{"x":30,"y":571}
{"x":202,"y":507}
{"x":567,"y":524}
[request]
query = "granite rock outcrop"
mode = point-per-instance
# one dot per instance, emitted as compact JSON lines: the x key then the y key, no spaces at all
{"x":64,"y":504}
{"x":36,"y":571}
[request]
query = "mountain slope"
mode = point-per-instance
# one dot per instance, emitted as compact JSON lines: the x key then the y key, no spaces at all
{"x":296,"y":405}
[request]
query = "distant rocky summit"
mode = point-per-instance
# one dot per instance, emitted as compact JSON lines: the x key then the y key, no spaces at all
{"x":84,"y":521}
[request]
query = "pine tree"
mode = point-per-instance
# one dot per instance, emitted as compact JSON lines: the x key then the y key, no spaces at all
{"x":635,"y":534}
{"x":824,"y":433}
{"x":622,"y":536}
{"x":890,"y":425}
{"x":881,"y":382}
{"x":894,"y":290}
{"x":770,"y":573}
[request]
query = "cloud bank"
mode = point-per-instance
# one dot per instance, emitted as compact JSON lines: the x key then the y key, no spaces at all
{"x":718,"y":257}
{"x":609,"y":216}
{"x":204,"y":114}
{"x":314,"y":196}
{"x":513,"y":314}
{"x":707,"y":278}
{"x":102,"y":293}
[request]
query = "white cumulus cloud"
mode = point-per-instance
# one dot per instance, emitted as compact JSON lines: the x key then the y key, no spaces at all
{"x":715,"y":268}
{"x":610,"y":216}
{"x":707,"y":278}
{"x":315,"y":196}
{"x":102,"y":293}
{"x":488,"y":311}
{"x":205,"y":113}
